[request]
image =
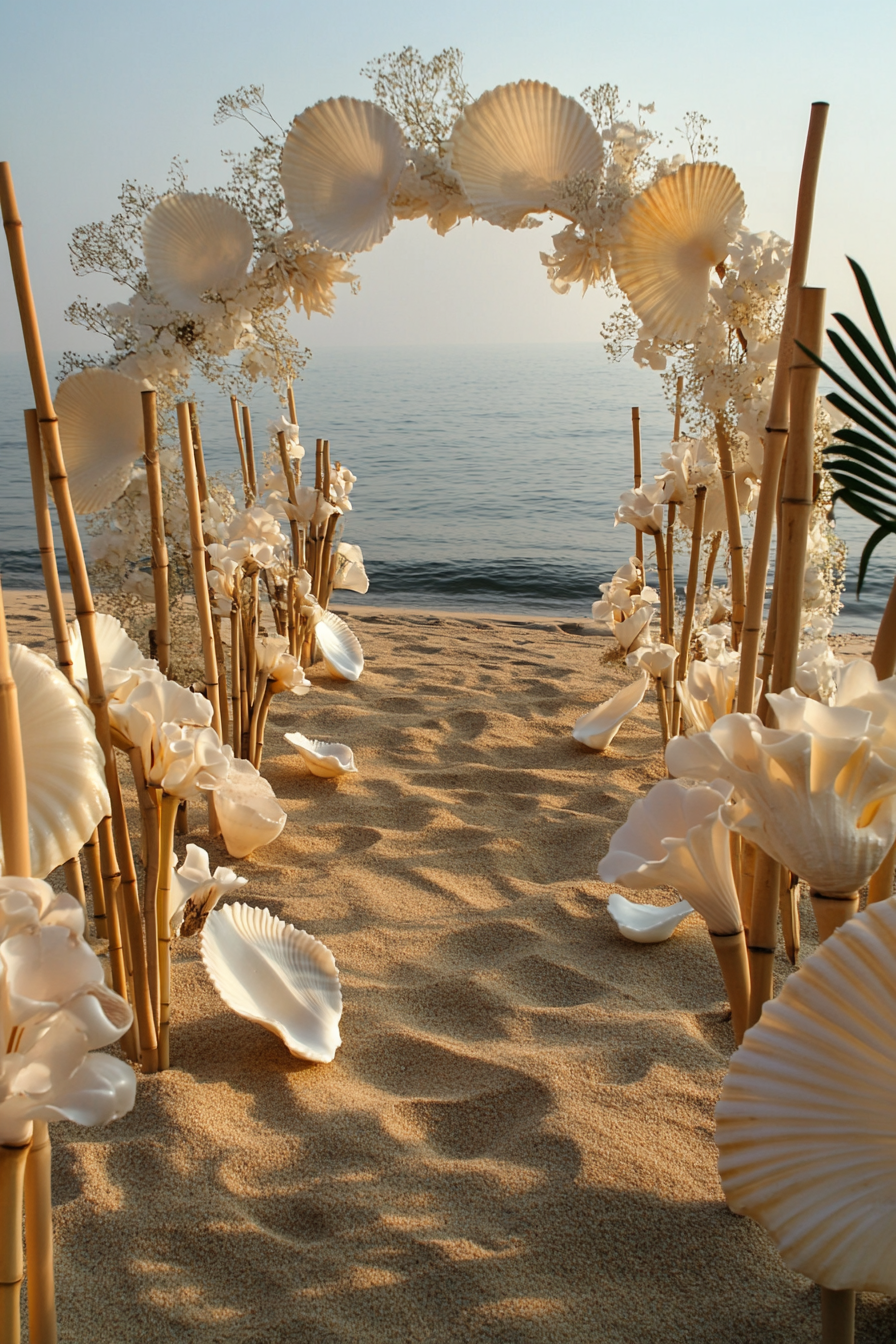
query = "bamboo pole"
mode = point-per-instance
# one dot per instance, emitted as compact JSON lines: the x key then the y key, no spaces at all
{"x":731,"y":951}
{"x":670,"y":573}
{"x":291,"y":491}
{"x":13,"y":1158}
{"x":157,"y":526}
{"x":199,"y":456}
{"x":250,"y":454}
{"x":47,"y":547}
{"x":660,"y":548}
{"x":838,"y":1316}
{"x":163,"y":924}
{"x":714,"y":548}
{"x":13,"y":794}
{"x":779,"y":412}
{"x":84,"y":608}
{"x":236,"y":691}
{"x":235,"y":410}
{"x":39,"y":1238}
{"x":831,"y":912}
{"x":883,"y":660}
{"x":149,"y":811}
{"x":636,"y":452}
{"x":676,"y":431}
{"x":291,"y":402}
{"x":690,"y":603}
{"x":95,"y":873}
{"x":198,"y":552}
{"x":790,"y":915}
{"x":735,"y":535}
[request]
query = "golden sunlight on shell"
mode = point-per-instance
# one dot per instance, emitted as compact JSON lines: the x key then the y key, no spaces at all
{"x":340,"y":168}
{"x":515,"y":145}
{"x":276,"y":975}
{"x":67,"y":794}
{"x":101,"y":428}
{"x":327,"y":760}
{"x":672,"y":236}
{"x":806,"y":1123}
{"x":339,"y":647}
{"x":194,"y":243}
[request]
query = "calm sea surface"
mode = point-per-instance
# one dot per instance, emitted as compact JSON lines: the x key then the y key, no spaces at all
{"x":487,"y":475}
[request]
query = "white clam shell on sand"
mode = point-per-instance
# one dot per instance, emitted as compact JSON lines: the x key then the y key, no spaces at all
{"x":806,"y":1123}
{"x":194,"y":243}
{"x":646,"y":923}
{"x":339,"y":647}
{"x":514,"y":148}
{"x":328,"y":760}
{"x":276,"y":975}
{"x":101,"y":429}
{"x":672,"y":236}
{"x":598,"y":727}
{"x":67,"y":795}
{"x":340,"y":168}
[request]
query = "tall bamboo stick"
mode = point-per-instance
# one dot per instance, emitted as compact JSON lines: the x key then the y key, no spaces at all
{"x":47,"y":547}
{"x":676,"y":431}
{"x":714,"y":548}
{"x":84,"y":608}
{"x":149,"y":812}
{"x":13,"y":794}
{"x":883,"y":660}
{"x":235,"y":409}
{"x":157,"y":527}
{"x":735,"y":535}
{"x":687,"y":623}
{"x":163,"y":900}
{"x":250,"y":453}
{"x":779,"y":412}
{"x":291,"y":402}
{"x":198,"y":553}
{"x":636,"y":453}
{"x":39,"y":1238}
{"x":291,"y":491}
{"x":201,"y":478}
{"x":13,"y":1158}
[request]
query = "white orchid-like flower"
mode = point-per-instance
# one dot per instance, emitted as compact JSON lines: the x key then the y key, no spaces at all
{"x":816,"y":671}
{"x":187,"y":761}
{"x":642,"y":507}
{"x":276,"y":662}
{"x":631,"y":574}
{"x":254,"y":533}
{"x":342,"y":482}
{"x":713,"y":641}
{"x":290,"y":433}
{"x":710,"y":692}
{"x":223,"y":575}
{"x":689,"y":463}
{"x":816,"y":794}
{"x":55,"y":1009}
{"x":196,"y":890}
{"x":599,"y":726}
{"x":653,"y":658}
{"x":181,"y":754}
{"x":248,"y":812}
{"x":350,"y":572}
{"x":857,"y":684}
{"x":634,"y":630}
{"x":122,"y":660}
{"x":675,"y":837}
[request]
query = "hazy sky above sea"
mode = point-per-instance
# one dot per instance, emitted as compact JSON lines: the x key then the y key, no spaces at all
{"x":93,"y":94}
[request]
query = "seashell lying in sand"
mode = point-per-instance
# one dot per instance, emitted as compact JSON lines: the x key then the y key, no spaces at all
{"x":598,"y":727}
{"x":646,"y":923}
{"x":247,"y":809}
{"x":328,"y":760}
{"x":276,"y":975}
{"x":340,"y":167}
{"x":672,"y":237}
{"x":194,"y":243}
{"x":101,"y":428}
{"x":805,"y":1123}
{"x":67,"y":795}
{"x":515,"y":148}
{"x":339,"y":647}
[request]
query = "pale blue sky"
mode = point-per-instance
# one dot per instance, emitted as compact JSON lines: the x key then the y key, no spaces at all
{"x":93,"y":94}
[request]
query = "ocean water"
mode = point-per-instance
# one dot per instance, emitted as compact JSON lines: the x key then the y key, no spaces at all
{"x":488,"y":475}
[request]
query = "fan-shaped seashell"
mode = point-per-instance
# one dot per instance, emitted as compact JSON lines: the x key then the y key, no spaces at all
{"x":67,"y":794}
{"x":516,"y":146}
{"x":275,"y":975}
{"x":598,"y":727}
{"x":672,"y":236}
{"x":341,"y":163}
{"x":806,"y":1121}
{"x":101,"y":428}
{"x":194,"y":243}
{"x":646,"y":923}
{"x":328,"y":760}
{"x":339,"y":648}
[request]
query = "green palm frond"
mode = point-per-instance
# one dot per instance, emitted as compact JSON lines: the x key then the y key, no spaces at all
{"x":862,"y":463}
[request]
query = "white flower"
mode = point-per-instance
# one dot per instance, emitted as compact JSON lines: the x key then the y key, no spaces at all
{"x":276,"y":662}
{"x":122,"y":660}
{"x":248,"y":812}
{"x":187,"y":761}
{"x":195,"y":891}
{"x":643,"y":507}
{"x":653,"y":658}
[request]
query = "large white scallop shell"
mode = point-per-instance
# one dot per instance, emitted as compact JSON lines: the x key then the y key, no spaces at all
{"x":806,"y":1123}
{"x":646,"y":923}
{"x":101,"y":428}
{"x":340,"y":168}
{"x":515,"y":147}
{"x":328,"y":760}
{"x":275,"y":975}
{"x":339,"y":647}
{"x":672,"y":236}
{"x":598,"y":727}
{"x":67,"y":795}
{"x":194,"y":243}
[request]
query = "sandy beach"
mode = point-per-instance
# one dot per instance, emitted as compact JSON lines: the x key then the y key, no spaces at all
{"x":514,"y":1141}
